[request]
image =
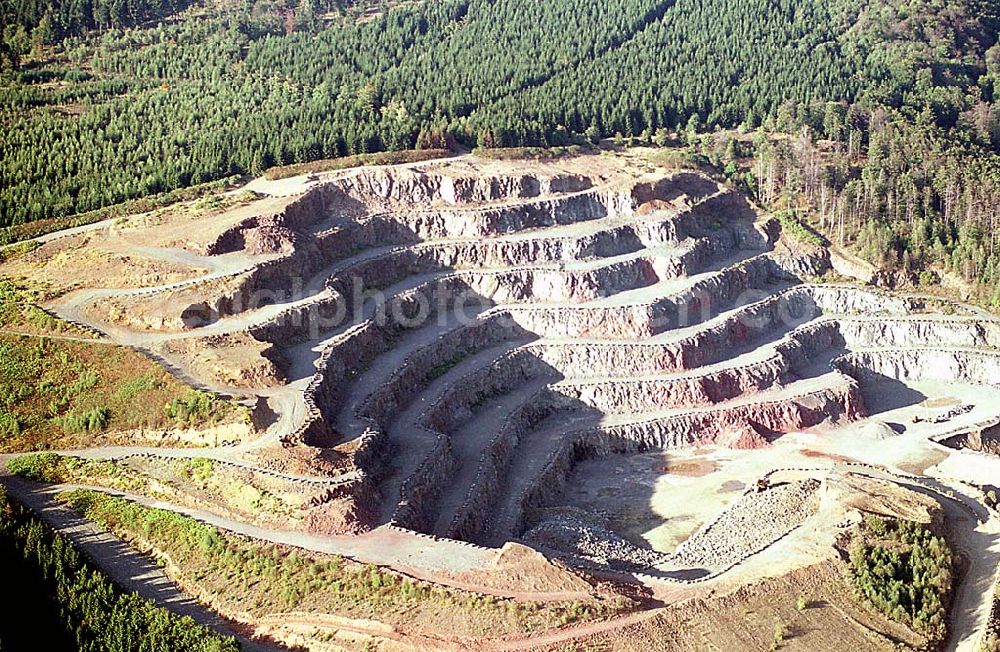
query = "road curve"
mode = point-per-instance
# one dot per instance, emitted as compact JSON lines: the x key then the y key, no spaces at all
{"x":127,"y":568}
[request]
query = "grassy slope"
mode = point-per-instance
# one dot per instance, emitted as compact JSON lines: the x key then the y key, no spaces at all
{"x":58,"y":392}
{"x":197,"y":483}
{"x":242,"y":576}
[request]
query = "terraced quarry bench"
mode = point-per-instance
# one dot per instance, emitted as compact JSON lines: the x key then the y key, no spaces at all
{"x":447,"y":343}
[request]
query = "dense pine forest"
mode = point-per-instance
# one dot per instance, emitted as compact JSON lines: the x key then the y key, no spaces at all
{"x":888,"y":109}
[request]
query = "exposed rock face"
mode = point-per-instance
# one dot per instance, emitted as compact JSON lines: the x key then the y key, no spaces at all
{"x":984,"y":439}
{"x":480,"y":335}
{"x":746,"y":438}
{"x":595,"y":353}
{"x":957,"y":365}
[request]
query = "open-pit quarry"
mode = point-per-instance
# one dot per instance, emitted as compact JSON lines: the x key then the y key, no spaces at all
{"x":631,"y":370}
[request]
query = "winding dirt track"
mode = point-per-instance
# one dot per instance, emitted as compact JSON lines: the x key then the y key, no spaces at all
{"x":125,"y":566}
{"x":973,"y":529}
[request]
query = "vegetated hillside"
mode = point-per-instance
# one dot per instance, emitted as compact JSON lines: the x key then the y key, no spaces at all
{"x":265,"y":583}
{"x":58,"y":387}
{"x":70,"y":605}
{"x":229,"y":89}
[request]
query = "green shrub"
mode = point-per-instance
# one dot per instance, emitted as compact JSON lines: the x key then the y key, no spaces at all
{"x":12,"y":251}
{"x":681,"y":158}
{"x":530,"y":153}
{"x":89,"y":422}
{"x":10,"y":424}
{"x":190,"y":409}
{"x":876,"y":525}
{"x":199,"y":469}
{"x":40,"y":467}
{"x":135,"y":386}
{"x":208,"y":203}
{"x":795,"y":228}
{"x":906,"y":574}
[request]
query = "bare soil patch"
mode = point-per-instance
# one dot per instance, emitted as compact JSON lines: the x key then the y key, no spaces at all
{"x":751,"y":617}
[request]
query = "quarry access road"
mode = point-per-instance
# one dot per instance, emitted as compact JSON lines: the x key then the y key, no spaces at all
{"x":122,"y":453}
{"x":71,"y":307}
{"x":485,"y":644}
{"x":439,"y":561}
{"x":978,"y":542}
{"x":968,"y":610}
{"x":129,"y":569}
{"x":136,"y":572}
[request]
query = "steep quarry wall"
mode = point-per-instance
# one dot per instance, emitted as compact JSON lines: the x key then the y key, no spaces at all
{"x":837,"y":403}
{"x":646,"y":319}
{"x":494,"y":330}
{"x":394,"y":190}
{"x":983,"y":439}
{"x":929,"y":331}
{"x":474,"y":518}
{"x":383,"y":268}
{"x":285,"y":328}
{"x":841,"y":401}
{"x":923,"y":363}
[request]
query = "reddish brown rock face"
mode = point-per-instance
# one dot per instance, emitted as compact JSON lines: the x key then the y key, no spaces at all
{"x":475,"y":336}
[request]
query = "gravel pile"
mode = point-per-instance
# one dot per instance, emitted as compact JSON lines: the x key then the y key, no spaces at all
{"x":591,"y":542}
{"x":753,"y":522}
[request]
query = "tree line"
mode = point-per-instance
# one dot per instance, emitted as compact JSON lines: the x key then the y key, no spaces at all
{"x":63,"y":602}
{"x":225,"y":91}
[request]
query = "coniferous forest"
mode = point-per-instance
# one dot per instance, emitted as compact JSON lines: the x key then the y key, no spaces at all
{"x":889,"y":107}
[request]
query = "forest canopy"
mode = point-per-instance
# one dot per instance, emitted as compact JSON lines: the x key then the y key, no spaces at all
{"x":104,"y":101}
{"x":109,"y":113}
